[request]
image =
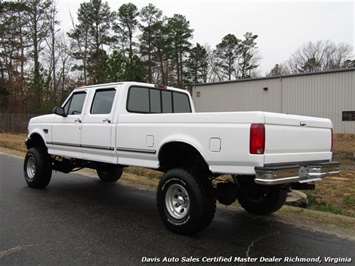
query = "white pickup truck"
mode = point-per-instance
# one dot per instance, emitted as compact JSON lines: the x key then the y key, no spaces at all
{"x":111,"y":126}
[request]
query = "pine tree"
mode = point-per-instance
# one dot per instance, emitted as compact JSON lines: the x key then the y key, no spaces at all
{"x":150,"y":17}
{"x":90,"y":37}
{"x":179,"y":34}
{"x":226,"y":55}
{"x":125,"y":28}
{"x":247,"y":55}
{"x":38,"y":12}
{"x":197,"y":65}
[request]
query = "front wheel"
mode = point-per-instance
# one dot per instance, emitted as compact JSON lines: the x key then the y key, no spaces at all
{"x":260,"y":199}
{"x":185,"y":202}
{"x":37,"y":167}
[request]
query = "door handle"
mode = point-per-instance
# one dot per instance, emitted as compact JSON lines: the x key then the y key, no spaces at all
{"x":77,"y":120}
{"x":106,"y":120}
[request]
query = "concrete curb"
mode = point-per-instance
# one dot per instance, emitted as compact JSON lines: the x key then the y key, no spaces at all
{"x":297,"y":198}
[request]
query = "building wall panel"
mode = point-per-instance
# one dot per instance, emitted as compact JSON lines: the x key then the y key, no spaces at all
{"x":325,"y":94}
{"x":261,"y":95}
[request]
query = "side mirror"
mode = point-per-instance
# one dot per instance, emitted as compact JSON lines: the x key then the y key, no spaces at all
{"x":59,"y":111}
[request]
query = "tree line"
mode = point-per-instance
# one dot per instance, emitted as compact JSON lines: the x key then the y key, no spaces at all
{"x":40,"y":63}
{"x":315,"y":57}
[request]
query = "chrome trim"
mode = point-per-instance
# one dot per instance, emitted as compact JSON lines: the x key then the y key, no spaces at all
{"x":273,"y":175}
{"x":97,"y":147}
{"x":136,"y":150}
{"x":64,"y":144}
{"x":81,"y":146}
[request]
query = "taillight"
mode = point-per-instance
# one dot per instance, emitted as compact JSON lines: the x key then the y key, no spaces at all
{"x":257,"y":139}
{"x":332,"y":139}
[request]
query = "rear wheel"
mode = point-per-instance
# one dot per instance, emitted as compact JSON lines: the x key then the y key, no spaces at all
{"x":109,"y":172}
{"x":261,"y":199}
{"x":37,"y":167}
{"x":185,"y":202}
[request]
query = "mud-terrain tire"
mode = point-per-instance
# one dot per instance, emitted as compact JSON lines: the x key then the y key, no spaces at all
{"x":260,"y":199}
{"x":109,"y":173}
{"x":37,"y":167}
{"x":185,"y":201}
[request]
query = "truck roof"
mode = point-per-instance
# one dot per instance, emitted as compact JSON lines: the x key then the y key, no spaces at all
{"x":130,"y":83}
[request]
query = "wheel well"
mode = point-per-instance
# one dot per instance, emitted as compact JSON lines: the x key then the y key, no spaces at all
{"x":179,"y":154}
{"x":35,"y":140}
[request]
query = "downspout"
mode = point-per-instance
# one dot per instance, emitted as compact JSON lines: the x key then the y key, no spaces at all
{"x":281,"y":96}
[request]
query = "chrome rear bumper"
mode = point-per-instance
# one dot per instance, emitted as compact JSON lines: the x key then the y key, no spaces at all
{"x":273,"y":175}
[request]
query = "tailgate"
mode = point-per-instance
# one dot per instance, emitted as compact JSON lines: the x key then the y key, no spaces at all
{"x":292,"y":138}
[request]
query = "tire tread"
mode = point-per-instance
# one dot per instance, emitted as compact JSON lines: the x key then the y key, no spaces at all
{"x":204,"y":198}
{"x":43,"y":167}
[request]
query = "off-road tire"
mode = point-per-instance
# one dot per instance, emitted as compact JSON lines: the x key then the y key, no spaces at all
{"x":109,"y":172}
{"x":260,"y":199}
{"x":37,"y":167}
{"x":185,"y":201}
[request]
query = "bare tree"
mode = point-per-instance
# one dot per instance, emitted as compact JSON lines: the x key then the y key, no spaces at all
{"x":214,"y":74}
{"x":319,"y":56}
{"x":64,"y":63}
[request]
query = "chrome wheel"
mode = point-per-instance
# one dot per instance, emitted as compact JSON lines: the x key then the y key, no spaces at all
{"x":177,"y":201}
{"x":185,"y":201}
{"x":37,"y":167}
{"x":31,"y":168}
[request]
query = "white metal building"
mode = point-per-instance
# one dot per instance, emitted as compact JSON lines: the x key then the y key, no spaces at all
{"x":329,"y":94}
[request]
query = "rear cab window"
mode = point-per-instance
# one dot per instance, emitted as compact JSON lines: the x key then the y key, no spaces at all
{"x":157,"y":101}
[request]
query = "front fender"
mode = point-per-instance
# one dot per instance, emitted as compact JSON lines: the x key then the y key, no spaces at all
{"x":35,"y":139}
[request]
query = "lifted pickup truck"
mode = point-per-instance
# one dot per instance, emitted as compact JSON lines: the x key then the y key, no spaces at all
{"x":111,"y":126}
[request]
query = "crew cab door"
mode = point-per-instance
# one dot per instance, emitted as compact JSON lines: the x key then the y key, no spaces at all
{"x":66,"y":130}
{"x":98,"y":126}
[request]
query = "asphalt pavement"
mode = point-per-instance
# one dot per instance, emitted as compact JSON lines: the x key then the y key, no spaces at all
{"x":79,"y":220}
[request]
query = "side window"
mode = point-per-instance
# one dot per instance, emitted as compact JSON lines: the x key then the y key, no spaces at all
{"x":155,"y":101}
{"x":181,"y":103}
{"x":138,"y":100}
{"x":103,"y":100}
{"x":167,"y":102}
{"x":74,"y":105}
{"x":149,"y":100}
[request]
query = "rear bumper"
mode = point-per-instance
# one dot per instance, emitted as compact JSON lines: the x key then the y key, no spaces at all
{"x":302,"y":173}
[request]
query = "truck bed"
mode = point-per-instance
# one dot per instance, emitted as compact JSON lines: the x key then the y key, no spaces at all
{"x":223,"y":138}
